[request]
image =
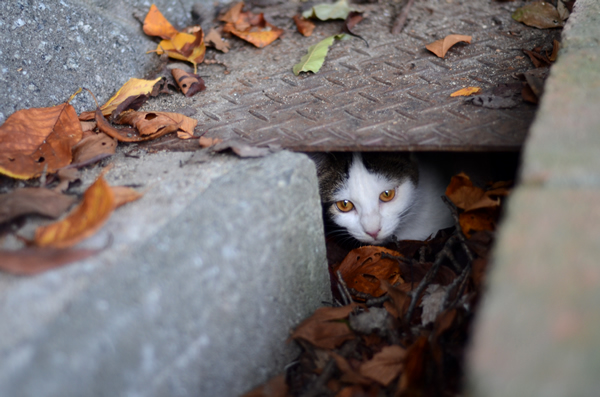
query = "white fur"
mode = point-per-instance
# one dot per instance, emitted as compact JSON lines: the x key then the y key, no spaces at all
{"x":415,"y":213}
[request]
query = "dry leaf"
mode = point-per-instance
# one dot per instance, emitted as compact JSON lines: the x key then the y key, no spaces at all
{"x":189,"y":83}
{"x":441,"y":47}
{"x":385,"y":366}
{"x":364,"y":267}
{"x":33,"y":260}
{"x":276,"y":387}
{"x":241,"y":148}
{"x":66,"y":176}
{"x":131,"y":95}
{"x":33,"y":200}
{"x":539,"y":14}
{"x":155,"y":24}
{"x":400,"y":298}
{"x":32,"y":140}
{"x":124,"y":195}
{"x":349,"y":375}
{"x":95,"y":147}
{"x":213,"y":39}
{"x":156,"y":123}
{"x":185,"y":47}
{"x":351,"y":21}
{"x":322,"y":330}
{"x":305,"y":27}
{"x":87,"y":218}
{"x":250,"y":27}
{"x":208,"y":142}
{"x":466,"y":91}
{"x":466,"y":196}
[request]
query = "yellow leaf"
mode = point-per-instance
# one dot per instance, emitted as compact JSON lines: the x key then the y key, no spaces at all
{"x":155,"y":24}
{"x":133,"y":87}
{"x":466,"y":91}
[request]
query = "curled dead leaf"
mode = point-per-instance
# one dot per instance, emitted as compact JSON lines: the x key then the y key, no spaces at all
{"x":208,"y":142}
{"x":87,"y":218}
{"x":33,"y":260}
{"x":189,"y":83}
{"x":466,"y":91}
{"x":364,"y":267}
{"x":155,"y":24}
{"x":441,"y":47}
{"x":385,"y":366}
{"x":154,"y":124}
{"x":322,"y":328}
{"x":250,"y":27}
{"x":32,"y":140}
{"x":305,"y":27}
{"x":97,"y":146}
{"x":213,"y":39}
{"x":124,"y":195}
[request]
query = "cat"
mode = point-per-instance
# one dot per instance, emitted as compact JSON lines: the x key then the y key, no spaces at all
{"x":378,"y":197}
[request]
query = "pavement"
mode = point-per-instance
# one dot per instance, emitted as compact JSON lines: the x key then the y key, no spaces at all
{"x":220,"y":258}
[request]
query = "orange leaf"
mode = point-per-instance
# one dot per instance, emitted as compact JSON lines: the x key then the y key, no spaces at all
{"x":95,"y":208}
{"x":185,"y":47}
{"x":441,"y":47}
{"x":385,"y":366}
{"x":253,"y":28}
{"x":466,"y":196}
{"x":322,"y":330}
{"x":152,"y":123}
{"x":466,"y":91}
{"x":233,"y":14}
{"x":34,"y":139}
{"x":208,"y":142}
{"x":364,"y":267}
{"x":124,"y":195}
{"x":479,"y":219}
{"x":304,"y":26}
{"x":155,"y":24}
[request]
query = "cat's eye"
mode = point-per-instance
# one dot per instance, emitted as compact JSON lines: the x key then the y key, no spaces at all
{"x":387,"y":195}
{"x":344,"y":205}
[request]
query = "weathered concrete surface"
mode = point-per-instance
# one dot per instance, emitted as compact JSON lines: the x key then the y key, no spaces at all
{"x":207,"y":274}
{"x":49,"y":48}
{"x":539,"y":328}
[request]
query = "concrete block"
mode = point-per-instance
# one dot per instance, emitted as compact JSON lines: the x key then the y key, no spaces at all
{"x":52,"y":47}
{"x":207,"y":274}
{"x":564,"y":141}
{"x":538,"y":327}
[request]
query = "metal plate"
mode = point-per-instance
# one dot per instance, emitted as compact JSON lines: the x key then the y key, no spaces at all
{"x":392,"y":95}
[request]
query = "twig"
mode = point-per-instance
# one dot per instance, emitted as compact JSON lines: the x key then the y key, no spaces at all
{"x":459,"y":232}
{"x":401,"y":18}
{"x":343,"y":288}
{"x":458,"y":281}
{"x":377,"y":301}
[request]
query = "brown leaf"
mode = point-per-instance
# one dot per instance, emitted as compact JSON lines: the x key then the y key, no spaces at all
{"x":241,"y":148}
{"x":400,"y":299}
{"x":444,"y":321}
{"x":32,"y":260}
{"x":156,"y":123}
{"x":385,"y":366}
{"x":417,"y":356}
{"x":188,"y":47}
{"x":213,"y":39}
{"x":349,"y":374}
{"x":250,"y":27}
{"x":528,"y":94}
{"x":322,"y":330}
{"x":87,"y":126}
{"x":66,"y":176}
{"x":539,"y":14}
{"x":124,"y":195}
{"x":32,"y":140}
{"x":353,"y":18}
{"x":208,"y":142}
{"x":87,"y":218}
{"x":538,"y":60}
{"x":466,"y":196}
{"x":276,"y":387}
{"x":155,"y":24}
{"x":33,"y":200}
{"x":479,"y":220}
{"x":305,"y":27}
{"x":364,"y":267}
{"x":189,"y":83}
{"x":97,"y":146}
{"x":441,"y":47}
{"x":555,"y":48}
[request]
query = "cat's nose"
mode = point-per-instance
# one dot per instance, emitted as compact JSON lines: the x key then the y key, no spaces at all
{"x":374,"y":234}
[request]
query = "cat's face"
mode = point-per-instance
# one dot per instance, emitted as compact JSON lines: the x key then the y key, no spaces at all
{"x":366,"y":195}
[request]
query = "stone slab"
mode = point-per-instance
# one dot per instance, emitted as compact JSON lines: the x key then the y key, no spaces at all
{"x":50,"y":48}
{"x":207,"y":274}
{"x":537,"y":331}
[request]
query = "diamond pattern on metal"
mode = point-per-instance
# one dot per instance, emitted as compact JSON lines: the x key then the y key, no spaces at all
{"x":392,"y":95}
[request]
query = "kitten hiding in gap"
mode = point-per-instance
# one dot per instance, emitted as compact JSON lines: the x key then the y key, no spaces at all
{"x":378,"y":197}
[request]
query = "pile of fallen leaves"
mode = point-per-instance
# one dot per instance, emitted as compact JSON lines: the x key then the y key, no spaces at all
{"x":402,"y":312}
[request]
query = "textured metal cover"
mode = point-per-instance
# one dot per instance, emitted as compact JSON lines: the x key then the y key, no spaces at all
{"x":392,"y":95}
